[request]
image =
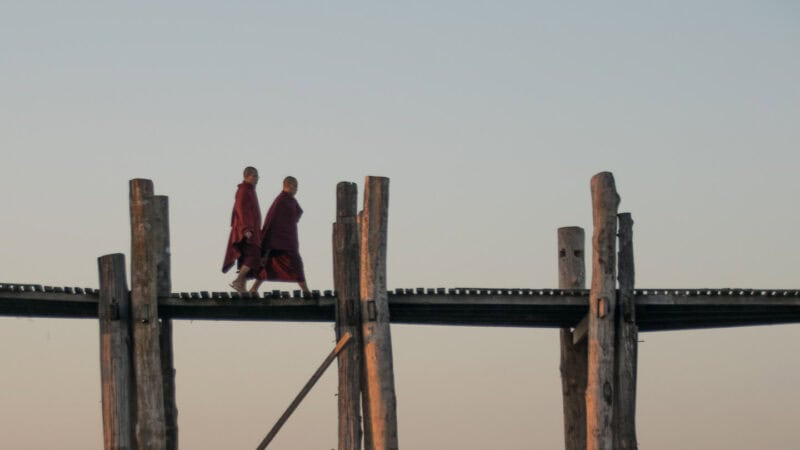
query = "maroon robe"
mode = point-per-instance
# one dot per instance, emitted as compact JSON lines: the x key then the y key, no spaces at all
{"x":246,"y":216}
{"x":279,"y":241}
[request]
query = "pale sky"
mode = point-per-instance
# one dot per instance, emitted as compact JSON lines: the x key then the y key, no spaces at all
{"x":488,"y":117}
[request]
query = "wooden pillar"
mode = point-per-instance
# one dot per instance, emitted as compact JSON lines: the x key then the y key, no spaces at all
{"x":600,"y":389}
{"x":150,"y":424}
{"x":116,"y":371}
{"x":346,"y":273}
{"x":377,"y":340}
{"x":365,"y":408}
{"x":164,"y":289}
{"x":572,"y":275}
{"x":627,"y":335}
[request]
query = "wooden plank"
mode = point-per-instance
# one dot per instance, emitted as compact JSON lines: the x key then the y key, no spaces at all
{"x":303,"y":392}
{"x":116,"y":370}
{"x":346,"y":273}
{"x":600,"y":389}
{"x":572,"y":275}
{"x":150,"y":423}
{"x":381,"y":413}
{"x":627,"y":336}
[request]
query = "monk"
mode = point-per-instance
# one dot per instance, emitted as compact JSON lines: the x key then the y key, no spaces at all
{"x":279,"y":244}
{"x":244,"y":243}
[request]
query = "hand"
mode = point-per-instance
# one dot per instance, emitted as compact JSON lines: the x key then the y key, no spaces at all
{"x":248,"y":234}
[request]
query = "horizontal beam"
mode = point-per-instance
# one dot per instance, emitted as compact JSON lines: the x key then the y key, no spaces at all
{"x":657,"y":309}
{"x":579,"y":333}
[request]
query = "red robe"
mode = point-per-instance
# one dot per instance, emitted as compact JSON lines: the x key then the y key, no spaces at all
{"x":279,"y":240}
{"x":246,"y":216}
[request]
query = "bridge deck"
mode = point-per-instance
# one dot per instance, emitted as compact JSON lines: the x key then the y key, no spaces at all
{"x":656,"y":309}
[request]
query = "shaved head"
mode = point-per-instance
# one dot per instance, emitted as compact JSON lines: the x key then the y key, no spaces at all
{"x":290,"y":185}
{"x":250,"y":170}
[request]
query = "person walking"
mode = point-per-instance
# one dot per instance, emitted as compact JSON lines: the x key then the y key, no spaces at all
{"x":280,"y":247}
{"x":244,"y":242}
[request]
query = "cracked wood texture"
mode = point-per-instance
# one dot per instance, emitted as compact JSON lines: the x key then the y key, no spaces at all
{"x":626,"y":342}
{"x":116,"y":370}
{"x":602,"y":301}
{"x":150,"y":420}
{"x":572,"y":275}
{"x":381,"y":410}
{"x":164,"y":289}
{"x":346,"y":273}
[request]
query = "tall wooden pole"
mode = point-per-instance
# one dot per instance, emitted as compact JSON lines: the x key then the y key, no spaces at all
{"x":627,"y":343}
{"x":572,"y":275}
{"x":600,"y":389}
{"x":116,"y":371}
{"x":377,"y":340}
{"x":168,"y":375}
{"x":164,"y":289}
{"x":150,"y":424}
{"x":346,"y":273}
{"x":365,"y":405}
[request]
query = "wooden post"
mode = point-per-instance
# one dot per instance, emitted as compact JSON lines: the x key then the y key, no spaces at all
{"x":365,"y":408}
{"x":161,"y":245}
{"x":346,"y":273}
{"x":627,"y":343}
{"x":116,"y":371}
{"x":164,"y":289}
{"x":600,"y":389}
{"x":572,"y":275}
{"x":168,"y":375}
{"x":150,"y":424}
{"x":377,"y":339}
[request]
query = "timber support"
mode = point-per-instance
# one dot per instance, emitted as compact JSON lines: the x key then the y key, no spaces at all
{"x":600,"y":386}
{"x":346,"y":273}
{"x":150,"y":425}
{"x":572,"y":275}
{"x":380,"y":404}
{"x":116,"y":370}
{"x":626,"y":345}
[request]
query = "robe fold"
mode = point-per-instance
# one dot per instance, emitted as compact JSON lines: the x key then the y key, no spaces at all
{"x":246,"y":216}
{"x":279,"y":242}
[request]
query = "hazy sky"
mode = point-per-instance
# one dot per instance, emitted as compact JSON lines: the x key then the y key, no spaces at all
{"x":489,"y":118}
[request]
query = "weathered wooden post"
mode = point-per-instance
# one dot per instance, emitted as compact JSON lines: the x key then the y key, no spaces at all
{"x":150,"y":425}
{"x":627,"y":335}
{"x":116,"y":371}
{"x":164,"y":289}
{"x":572,"y":275}
{"x":346,"y":273}
{"x":600,"y":389}
{"x":377,"y":341}
{"x":365,"y":408}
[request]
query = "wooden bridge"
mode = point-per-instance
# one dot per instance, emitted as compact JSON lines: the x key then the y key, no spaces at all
{"x":598,"y":326}
{"x":656,"y":309}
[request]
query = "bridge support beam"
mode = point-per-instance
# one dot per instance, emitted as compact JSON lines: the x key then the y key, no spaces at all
{"x":380,"y":403}
{"x":601,"y":384}
{"x":626,"y":345}
{"x":116,"y":370}
{"x":164,"y":289}
{"x":572,"y":275}
{"x":150,"y":428}
{"x":346,"y":273}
